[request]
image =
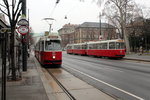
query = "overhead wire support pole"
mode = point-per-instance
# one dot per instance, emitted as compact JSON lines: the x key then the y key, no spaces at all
{"x":100,"y":24}
{"x":24,"y":42}
{"x":4,"y":53}
{"x":24,"y":7}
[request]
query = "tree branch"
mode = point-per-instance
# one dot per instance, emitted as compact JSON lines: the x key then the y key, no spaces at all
{"x":16,"y":19}
{"x":8,"y":10}
{"x":3,"y":12}
{"x":19,"y":3}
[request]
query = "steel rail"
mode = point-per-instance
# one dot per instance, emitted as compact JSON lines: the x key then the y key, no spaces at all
{"x":62,"y":87}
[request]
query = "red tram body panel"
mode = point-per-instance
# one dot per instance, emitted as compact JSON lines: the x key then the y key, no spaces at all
{"x":109,"y":48}
{"x":48,"y":51}
{"x":107,"y":53}
{"x":46,"y":58}
{"x":80,"y":52}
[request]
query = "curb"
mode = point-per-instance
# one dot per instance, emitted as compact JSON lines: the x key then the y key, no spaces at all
{"x":137,"y":59}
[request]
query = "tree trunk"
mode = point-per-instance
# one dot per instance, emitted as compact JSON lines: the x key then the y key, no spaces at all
{"x":13,"y":54}
{"x":126,"y":40}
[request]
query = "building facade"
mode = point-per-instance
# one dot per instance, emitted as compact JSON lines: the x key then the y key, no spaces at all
{"x":88,"y":31}
{"x":92,"y":31}
{"x":66,"y":34}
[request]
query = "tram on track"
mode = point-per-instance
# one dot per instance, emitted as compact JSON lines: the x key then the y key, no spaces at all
{"x":108,"y":48}
{"x":48,"y":50}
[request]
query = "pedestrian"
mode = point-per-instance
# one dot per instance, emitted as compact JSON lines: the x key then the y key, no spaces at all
{"x":141,"y":50}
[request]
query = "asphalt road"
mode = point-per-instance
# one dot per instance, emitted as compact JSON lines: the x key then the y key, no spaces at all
{"x":125,"y":80}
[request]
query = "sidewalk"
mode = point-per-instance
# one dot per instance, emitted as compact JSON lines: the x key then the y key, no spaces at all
{"x":136,"y":56}
{"x":29,"y":88}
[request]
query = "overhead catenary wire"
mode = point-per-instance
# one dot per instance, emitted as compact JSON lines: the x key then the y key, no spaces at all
{"x":51,"y":13}
{"x":57,"y":1}
{"x":65,"y":16}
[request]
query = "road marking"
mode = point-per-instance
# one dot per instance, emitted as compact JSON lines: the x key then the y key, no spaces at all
{"x":114,"y":69}
{"x":139,"y":98}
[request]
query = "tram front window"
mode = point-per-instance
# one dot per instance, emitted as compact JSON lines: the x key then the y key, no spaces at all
{"x":52,"y":45}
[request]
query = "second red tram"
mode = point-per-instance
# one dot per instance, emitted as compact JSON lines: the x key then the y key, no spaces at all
{"x":109,"y":48}
{"x":48,"y":50}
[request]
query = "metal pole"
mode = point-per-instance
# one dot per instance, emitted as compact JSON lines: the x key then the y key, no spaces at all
{"x":24,"y":42}
{"x":100,"y":34}
{"x":4,"y":40}
{"x":100,"y":24}
{"x":50,"y":26}
{"x":24,"y":7}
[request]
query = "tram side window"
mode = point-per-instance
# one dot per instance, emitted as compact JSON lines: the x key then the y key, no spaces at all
{"x":117,"y":45}
{"x":120,"y":45}
{"x":83,"y":46}
{"x":112,"y":45}
{"x":99,"y":46}
{"x":68,"y":47}
{"x":42,"y":46}
{"x":94,"y":46}
{"x":35,"y":47}
{"x":38,"y":46}
{"x":90,"y":46}
{"x":79,"y":47}
{"x":104,"y":45}
{"x":76,"y":47}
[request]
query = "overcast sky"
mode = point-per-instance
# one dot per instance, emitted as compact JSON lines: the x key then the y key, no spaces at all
{"x":76,"y":12}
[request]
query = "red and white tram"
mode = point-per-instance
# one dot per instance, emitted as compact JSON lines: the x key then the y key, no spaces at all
{"x":48,"y":50}
{"x":109,"y":48}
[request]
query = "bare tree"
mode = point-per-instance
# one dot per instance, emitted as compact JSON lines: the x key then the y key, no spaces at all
{"x":119,"y":13}
{"x":12,"y":9}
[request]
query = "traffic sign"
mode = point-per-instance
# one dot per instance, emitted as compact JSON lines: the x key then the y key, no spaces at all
{"x":23,"y":22}
{"x":23,"y":30}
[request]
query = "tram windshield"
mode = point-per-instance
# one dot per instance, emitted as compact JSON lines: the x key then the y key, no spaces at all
{"x":52,"y":45}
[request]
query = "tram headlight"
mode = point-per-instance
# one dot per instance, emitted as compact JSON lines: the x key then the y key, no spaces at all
{"x":54,"y":57}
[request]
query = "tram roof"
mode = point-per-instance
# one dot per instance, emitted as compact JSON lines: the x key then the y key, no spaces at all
{"x":93,"y":42}
{"x":51,"y":37}
{"x":106,"y":41}
{"x":76,"y":44}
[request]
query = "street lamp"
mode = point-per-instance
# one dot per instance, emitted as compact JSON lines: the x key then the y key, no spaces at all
{"x":50,"y":24}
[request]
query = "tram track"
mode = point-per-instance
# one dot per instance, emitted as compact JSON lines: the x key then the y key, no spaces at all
{"x":61,"y":86}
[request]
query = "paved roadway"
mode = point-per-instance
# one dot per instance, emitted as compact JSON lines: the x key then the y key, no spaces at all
{"x":126,"y":80}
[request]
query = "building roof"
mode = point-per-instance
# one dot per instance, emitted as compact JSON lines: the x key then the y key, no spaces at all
{"x":95,"y":25}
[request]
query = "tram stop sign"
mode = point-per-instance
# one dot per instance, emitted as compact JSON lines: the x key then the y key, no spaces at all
{"x":23,"y":30}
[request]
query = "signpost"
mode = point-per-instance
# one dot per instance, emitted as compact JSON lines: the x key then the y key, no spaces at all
{"x":23,"y":22}
{"x":23,"y":29}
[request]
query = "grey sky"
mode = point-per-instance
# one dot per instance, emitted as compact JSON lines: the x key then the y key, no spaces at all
{"x":77,"y":12}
